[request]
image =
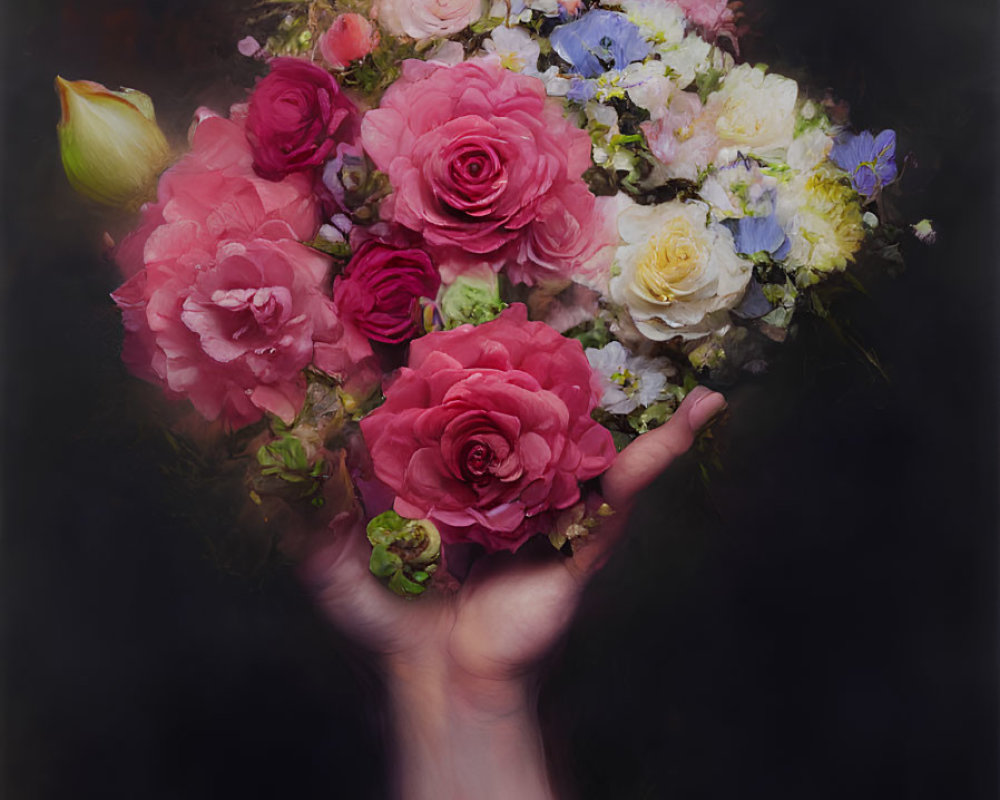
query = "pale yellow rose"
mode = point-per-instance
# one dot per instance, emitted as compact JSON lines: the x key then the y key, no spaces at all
{"x":678,"y":274}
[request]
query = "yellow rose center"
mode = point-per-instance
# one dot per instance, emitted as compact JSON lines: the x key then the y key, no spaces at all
{"x":672,"y":256}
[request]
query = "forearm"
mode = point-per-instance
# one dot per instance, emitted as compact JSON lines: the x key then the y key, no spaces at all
{"x":457,"y":737}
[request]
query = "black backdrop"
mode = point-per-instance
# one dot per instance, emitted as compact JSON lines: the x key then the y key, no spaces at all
{"x":820,"y":622}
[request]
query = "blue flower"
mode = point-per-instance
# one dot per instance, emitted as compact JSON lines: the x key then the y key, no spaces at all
{"x":580,"y":90}
{"x":599,"y":41}
{"x":753,"y":235}
{"x":869,"y":160}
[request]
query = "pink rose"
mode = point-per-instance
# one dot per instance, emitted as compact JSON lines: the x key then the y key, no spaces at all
{"x":215,"y":187}
{"x":476,"y":155}
{"x":349,"y":38}
{"x":380,"y":290}
{"x":297,"y":117}
{"x":488,"y":429}
{"x":230,"y":325}
{"x":575,"y":235}
{"x":423,"y":19}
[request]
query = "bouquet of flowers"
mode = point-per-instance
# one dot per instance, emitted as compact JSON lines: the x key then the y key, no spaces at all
{"x":450,"y":255}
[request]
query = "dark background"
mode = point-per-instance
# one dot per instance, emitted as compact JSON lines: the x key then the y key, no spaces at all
{"x":820,"y":622}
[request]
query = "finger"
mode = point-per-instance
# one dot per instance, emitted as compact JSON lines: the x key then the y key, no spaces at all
{"x":641,"y":462}
{"x":636,"y":467}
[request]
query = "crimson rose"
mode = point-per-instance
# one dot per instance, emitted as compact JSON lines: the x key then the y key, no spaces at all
{"x":297,"y":116}
{"x":380,"y":289}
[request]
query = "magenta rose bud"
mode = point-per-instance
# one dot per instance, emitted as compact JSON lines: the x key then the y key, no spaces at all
{"x":380,"y":289}
{"x":488,"y":429}
{"x":297,"y":116}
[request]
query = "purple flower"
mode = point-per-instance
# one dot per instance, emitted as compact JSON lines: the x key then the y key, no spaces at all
{"x":753,"y":235}
{"x":599,"y":41}
{"x":869,"y":160}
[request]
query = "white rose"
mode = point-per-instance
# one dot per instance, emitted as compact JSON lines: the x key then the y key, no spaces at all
{"x":756,"y":111}
{"x":424,"y":19}
{"x":678,"y":275}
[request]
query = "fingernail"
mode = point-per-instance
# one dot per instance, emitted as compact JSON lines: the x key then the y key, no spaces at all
{"x":705,"y":407}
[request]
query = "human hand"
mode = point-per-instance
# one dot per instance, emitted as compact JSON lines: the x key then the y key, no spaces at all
{"x":461,"y":668}
{"x":511,"y":607}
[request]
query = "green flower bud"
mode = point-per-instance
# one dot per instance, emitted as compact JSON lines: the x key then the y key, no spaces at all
{"x":404,"y":551}
{"x":474,"y":299}
{"x":112,"y":149}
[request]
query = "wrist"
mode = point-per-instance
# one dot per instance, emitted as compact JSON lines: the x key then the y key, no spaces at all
{"x":438,"y":685}
{"x":458,"y":735}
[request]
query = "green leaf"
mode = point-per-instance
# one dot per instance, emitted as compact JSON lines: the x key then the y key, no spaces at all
{"x":707,"y":82}
{"x":486,"y":24}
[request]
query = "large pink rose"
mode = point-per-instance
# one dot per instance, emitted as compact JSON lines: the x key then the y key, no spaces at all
{"x":215,"y":187}
{"x":479,"y":159}
{"x":489,"y":428}
{"x":230,"y":326}
{"x":297,"y":117}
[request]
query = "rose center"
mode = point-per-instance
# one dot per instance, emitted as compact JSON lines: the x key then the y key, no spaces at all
{"x":675,"y":255}
{"x":474,"y":166}
{"x":254,"y":311}
{"x":477,"y":460}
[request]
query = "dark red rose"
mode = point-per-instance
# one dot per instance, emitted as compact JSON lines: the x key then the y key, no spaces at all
{"x":297,"y":116}
{"x":380,"y":289}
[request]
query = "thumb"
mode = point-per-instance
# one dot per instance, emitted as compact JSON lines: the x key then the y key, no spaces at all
{"x":641,"y":462}
{"x":636,"y":467}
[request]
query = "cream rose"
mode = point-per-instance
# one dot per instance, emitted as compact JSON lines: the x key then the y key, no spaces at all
{"x":755,"y":112}
{"x":678,"y":274}
{"x":424,"y":19}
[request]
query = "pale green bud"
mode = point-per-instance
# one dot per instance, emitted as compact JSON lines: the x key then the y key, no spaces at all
{"x":474,"y":299}
{"x":112,"y":149}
